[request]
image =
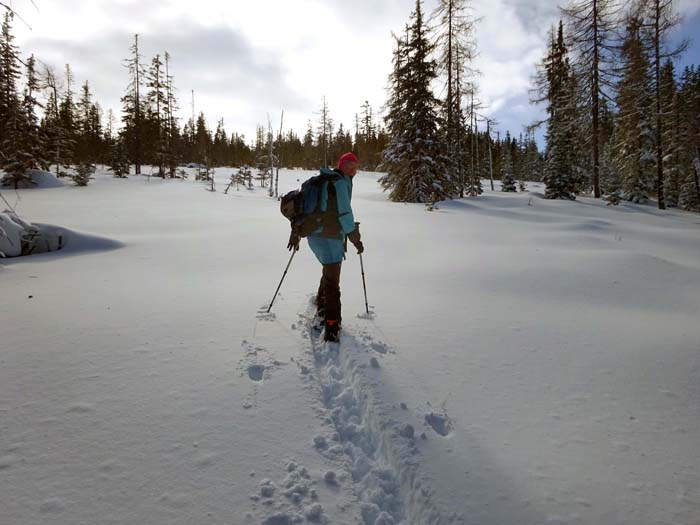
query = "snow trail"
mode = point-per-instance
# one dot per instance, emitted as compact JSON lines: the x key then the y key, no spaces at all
{"x":381,"y":451}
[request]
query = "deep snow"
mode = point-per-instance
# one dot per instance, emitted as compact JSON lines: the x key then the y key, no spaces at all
{"x":528,"y":362}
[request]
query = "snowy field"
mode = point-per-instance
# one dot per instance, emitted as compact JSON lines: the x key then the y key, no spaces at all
{"x":528,"y":362}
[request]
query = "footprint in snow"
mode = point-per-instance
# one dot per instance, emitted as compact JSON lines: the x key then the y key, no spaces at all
{"x":440,"y":423}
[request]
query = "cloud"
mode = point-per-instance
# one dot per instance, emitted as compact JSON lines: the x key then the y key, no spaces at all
{"x":219,"y":63}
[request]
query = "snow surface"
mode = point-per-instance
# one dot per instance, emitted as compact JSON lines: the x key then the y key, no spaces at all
{"x":39,"y":179}
{"x":526,"y":361}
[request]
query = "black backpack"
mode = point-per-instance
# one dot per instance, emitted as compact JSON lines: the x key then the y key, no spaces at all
{"x":301,"y":206}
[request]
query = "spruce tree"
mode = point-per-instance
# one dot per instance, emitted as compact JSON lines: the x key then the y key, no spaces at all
{"x":173,"y":138}
{"x":689,"y":137}
{"x":119,"y":161}
{"x":158,"y":121}
{"x":507,"y":175}
{"x":132,"y":106}
{"x":661,"y":20}
{"x":592,"y":26}
{"x":15,"y":154}
{"x":416,"y":159}
{"x":670,"y":135}
{"x":634,"y":133}
{"x":324,"y":131}
{"x":33,"y":139}
{"x":67,"y":125}
{"x":554,"y":87}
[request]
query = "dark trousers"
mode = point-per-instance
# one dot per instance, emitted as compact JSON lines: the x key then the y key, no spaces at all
{"x":328,"y":297}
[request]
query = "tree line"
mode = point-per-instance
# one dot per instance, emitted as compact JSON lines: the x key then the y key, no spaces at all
{"x":47,"y":122}
{"x":622,"y":122}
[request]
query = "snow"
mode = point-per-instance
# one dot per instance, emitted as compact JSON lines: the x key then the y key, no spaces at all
{"x":525,"y":361}
{"x":40,"y":179}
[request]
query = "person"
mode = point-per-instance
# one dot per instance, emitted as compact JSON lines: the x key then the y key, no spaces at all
{"x":329,"y":241}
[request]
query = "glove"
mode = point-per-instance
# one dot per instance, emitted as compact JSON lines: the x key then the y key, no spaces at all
{"x":354,"y":238}
{"x":293,"y":243}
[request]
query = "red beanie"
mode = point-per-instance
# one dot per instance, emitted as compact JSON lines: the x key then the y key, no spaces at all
{"x":347,"y":157}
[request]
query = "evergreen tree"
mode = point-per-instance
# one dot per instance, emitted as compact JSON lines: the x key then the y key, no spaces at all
{"x":688,"y":104}
{"x":507,"y":175}
{"x":67,"y":124}
{"x":592,"y":26}
{"x":324,"y":131}
{"x":33,"y":140}
{"x":203,"y":141}
{"x":119,"y":161}
{"x":670,"y":135}
{"x":635,"y":140}
{"x":554,"y":87}
{"x":9,"y":77}
{"x":173,"y":139}
{"x":132,"y":106}
{"x":415,"y":159}
{"x":88,"y":128}
{"x":220,"y":147}
{"x":12,"y":156}
{"x":56,"y":139}
{"x":456,"y":46}
{"x":158,"y":116}
{"x":661,"y":19}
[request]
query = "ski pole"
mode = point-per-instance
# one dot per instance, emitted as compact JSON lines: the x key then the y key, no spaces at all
{"x":283,"y":276}
{"x":364,"y":286}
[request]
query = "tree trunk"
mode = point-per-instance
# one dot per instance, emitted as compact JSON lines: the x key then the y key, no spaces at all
{"x":595,"y":105}
{"x":657,"y":75}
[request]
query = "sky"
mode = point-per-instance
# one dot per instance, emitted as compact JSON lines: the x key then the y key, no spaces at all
{"x":248,"y":60}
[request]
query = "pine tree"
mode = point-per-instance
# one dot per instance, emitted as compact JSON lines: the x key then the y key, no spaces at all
{"x":119,"y":161}
{"x":33,"y":140}
{"x":324,"y":131}
{"x":56,"y":139}
{"x":132,"y":106}
{"x":158,"y":124}
{"x":67,"y":124}
{"x":592,"y":26}
{"x":670,"y":135}
{"x":83,"y":173}
{"x":661,"y":20}
{"x":173,"y":139}
{"x":635,"y":141}
{"x":554,"y":87}
{"x":15,"y":154}
{"x":689,"y":137}
{"x":456,"y":46}
{"x":89,"y":128}
{"x":507,"y":175}
{"x":415,"y":159}
{"x":220,"y":146}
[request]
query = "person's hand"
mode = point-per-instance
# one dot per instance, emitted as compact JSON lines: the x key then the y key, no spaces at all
{"x":354,"y":238}
{"x":293,"y":243}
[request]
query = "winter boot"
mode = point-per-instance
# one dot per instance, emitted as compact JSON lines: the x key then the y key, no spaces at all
{"x":332,"y":331}
{"x":319,"y":320}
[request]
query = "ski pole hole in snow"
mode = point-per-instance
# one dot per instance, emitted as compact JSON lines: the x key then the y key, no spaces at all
{"x":256,"y":372}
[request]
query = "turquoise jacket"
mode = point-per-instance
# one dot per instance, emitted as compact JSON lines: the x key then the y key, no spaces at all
{"x":329,"y":245}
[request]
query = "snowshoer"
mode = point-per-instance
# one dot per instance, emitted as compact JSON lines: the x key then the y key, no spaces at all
{"x":329,"y":241}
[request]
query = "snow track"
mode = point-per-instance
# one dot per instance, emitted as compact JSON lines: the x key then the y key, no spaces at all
{"x":382,"y":453}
